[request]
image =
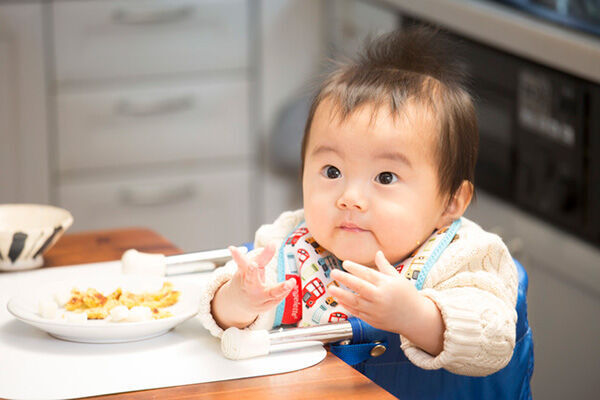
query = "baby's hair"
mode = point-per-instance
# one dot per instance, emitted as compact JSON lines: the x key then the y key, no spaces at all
{"x":417,"y":65}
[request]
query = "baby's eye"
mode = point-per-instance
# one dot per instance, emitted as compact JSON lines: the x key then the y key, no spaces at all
{"x":386,"y":178}
{"x":331,"y":172}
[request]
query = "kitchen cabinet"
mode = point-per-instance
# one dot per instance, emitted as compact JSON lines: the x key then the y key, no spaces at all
{"x":204,"y":207}
{"x":155,"y":122}
{"x":98,"y":95}
{"x":147,"y":38}
{"x":153,"y":117}
{"x":24,"y":172}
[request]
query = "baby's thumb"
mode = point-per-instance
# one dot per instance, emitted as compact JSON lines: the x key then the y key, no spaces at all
{"x":283,"y":289}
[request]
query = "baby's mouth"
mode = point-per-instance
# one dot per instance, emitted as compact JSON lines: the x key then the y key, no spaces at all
{"x":351,"y":227}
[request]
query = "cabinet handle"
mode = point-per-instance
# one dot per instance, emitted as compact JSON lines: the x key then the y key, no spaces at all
{"x":152,"y":197}
{"x":147,"y":17}
{"x":165,"y":106}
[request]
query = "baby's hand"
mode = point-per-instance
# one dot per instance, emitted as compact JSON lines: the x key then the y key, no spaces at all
{"x":249,"y":282}
{"x":383,"y":299}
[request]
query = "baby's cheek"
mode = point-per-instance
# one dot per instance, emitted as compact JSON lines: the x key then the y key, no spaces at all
{"x":316,"y":222}
{"x":391,"y":216}
{"x":395,"y":230}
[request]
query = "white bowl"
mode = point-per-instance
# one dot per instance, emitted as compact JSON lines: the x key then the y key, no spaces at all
{"x":27,"y":231}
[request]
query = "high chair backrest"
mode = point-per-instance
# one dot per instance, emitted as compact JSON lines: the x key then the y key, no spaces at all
{"x":396,"y":374}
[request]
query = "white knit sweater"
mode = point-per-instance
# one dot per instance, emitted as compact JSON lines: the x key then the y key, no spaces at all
{"x":474,"y":283}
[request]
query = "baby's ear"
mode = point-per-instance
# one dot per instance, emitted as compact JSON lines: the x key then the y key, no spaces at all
{"x":457,"y":205}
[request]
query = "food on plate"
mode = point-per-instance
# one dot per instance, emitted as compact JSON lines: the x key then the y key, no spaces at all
{"x":117,"y":306}
{"x":119,"y":313}
{"x":139,"y":313}
{"x":47,"y":308}
{"x":62,"y":297}
{"x":75,"y":317}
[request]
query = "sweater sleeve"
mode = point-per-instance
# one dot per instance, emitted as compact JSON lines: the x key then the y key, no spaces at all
{"x":474,"y":286}
{"x":218,"y":278}
{"x":270,"y":233}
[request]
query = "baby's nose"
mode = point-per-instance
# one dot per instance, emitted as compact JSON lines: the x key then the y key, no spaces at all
{"x":353,"y":198}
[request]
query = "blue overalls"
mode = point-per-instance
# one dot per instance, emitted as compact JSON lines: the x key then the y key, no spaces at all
{"x":395,"y":373}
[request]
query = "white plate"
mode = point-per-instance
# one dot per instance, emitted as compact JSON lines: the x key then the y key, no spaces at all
{"x":25,"y":308}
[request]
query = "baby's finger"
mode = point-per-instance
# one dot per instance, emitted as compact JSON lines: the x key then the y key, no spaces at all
{"x":358,"y":285}
{"x":352,"y":303}
{"x":384,"y":265}
{"x":273,"y":303}
{"x":253,"y":275}
{"x":355,"y":311}
{"x":344,"y":297}
{"x":240,"y":259}
{"x":360,"y":271}
{"x":282,"y":289}
{"x":265,"y":255}
{"x":362,"y":314}
{"x":261,"y":275}
{"x":277,"y":299}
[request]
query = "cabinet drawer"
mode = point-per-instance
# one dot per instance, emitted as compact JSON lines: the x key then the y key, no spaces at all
{"x":196,"y":211}
{"x":157,"y":123}
{"x":125,"y":38}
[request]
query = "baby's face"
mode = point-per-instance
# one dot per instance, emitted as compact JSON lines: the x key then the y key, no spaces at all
{"x":370,"y":182}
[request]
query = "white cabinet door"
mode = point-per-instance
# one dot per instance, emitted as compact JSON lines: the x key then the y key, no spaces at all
{"x":24,"y":171}
{"x":153,"y":123}
{"x":196,"y":210}
{"x":124,"y":38}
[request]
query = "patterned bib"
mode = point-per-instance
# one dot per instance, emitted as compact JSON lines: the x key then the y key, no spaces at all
{"x":303,"y":259}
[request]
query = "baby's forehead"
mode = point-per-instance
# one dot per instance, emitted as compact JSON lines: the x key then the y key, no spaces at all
{"x":374,"y":132}
{"x":413,"y":118}
{"x":412,"y":113}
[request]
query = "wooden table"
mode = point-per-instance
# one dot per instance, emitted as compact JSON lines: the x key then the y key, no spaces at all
{"x":330,"y":379}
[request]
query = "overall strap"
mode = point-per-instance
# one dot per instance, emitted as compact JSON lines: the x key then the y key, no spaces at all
{"x":364,"y":339}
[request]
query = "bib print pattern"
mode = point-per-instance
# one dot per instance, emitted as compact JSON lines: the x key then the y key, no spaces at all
{"x":301,"y":258}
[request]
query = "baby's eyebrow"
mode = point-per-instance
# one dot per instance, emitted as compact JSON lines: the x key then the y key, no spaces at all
{"x":323,"y":148}
{"x":386,"y":155}
{"x":394,"y":156}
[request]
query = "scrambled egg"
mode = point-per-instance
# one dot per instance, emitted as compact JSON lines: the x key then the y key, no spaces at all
{"x":98,"y":306}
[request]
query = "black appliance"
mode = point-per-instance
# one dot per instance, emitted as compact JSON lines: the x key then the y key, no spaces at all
{"x":594,"y":165}
{"x":581,"y":15}
{"x":539,"y":137}
{"x":551,"y":152}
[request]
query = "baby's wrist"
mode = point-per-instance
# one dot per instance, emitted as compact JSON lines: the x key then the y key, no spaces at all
{"x":229,"y":309}
{"x":427,"y":327}
{"x":415,"y":314}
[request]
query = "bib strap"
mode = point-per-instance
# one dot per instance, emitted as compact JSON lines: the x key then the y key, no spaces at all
{"x":437,"y":252}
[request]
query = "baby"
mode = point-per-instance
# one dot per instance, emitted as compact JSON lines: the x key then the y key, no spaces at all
{"x":388,"y":157}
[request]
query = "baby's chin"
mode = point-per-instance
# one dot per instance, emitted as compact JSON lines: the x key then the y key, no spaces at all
{"x":359,"y":256}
